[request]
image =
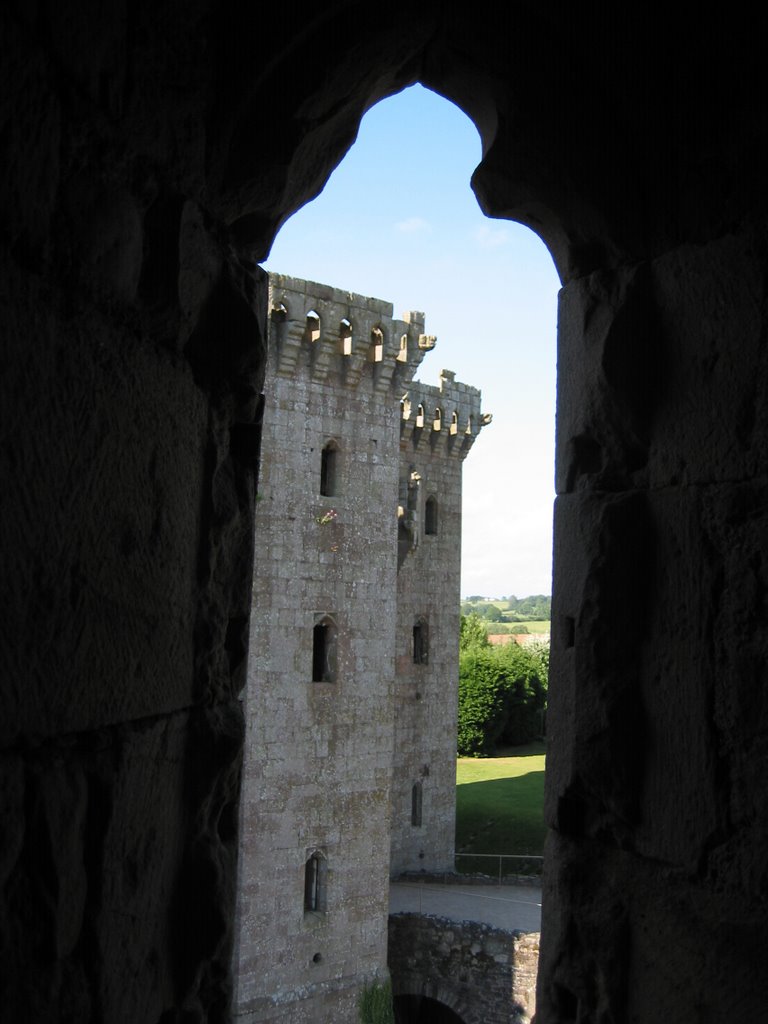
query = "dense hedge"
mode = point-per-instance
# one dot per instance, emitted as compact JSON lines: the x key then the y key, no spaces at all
{"x":502,"y":696}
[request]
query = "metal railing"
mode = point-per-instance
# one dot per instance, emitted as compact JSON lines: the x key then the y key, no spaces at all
{"x":483,"y":869}
{"x":491,"y":865}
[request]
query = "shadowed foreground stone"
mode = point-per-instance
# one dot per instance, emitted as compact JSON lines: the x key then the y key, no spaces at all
{"x":149,"y":154}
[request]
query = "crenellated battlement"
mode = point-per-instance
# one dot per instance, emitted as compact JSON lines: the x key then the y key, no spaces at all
{"x":449,"y":415}
{"x":330,"y":336}
{"x":341,"y":337}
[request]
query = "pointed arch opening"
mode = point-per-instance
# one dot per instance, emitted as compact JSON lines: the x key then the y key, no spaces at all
{"x":424,"y":430}
{"x":315,"y":883}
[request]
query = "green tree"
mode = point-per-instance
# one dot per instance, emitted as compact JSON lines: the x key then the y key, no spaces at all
{"x":536,"y":607}
{"x":493,"y":613}
{"x":481,"y":702}
{"x":473,"y":632}
{"x":502,"y":696}
{"x":525,"y":694}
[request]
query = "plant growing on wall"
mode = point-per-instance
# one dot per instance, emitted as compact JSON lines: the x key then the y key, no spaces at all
{"x":375,"y":1004}
{"x":326,"y":517}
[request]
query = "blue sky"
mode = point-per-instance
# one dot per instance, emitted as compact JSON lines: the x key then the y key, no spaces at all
{"x":398,"y":221}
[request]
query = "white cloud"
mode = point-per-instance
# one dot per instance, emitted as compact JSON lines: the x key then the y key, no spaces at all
{"x":413,"y":225}
{"x":489,"y":237}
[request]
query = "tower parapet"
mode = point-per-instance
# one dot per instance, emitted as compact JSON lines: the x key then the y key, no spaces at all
{"x":449,"y":415}
{"x":342,"y":338}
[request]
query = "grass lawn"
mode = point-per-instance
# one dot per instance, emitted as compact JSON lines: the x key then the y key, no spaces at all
{"x":532,"y":625}
{"x":499,"y":803}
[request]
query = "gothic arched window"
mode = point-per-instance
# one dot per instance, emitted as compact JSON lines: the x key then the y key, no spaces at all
{"x":315,"y":875}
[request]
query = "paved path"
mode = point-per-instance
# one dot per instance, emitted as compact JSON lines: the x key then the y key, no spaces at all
{"x":511,"y":907}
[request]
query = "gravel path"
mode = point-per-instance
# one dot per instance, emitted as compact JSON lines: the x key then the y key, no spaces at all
{"x":511,"y":907}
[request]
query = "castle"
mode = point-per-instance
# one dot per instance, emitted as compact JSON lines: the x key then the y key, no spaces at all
{"x":151,"y":155}
{"x":350,"y":705}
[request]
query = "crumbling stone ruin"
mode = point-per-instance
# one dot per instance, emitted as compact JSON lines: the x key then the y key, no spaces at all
{"x":150,"y":154}
{"x":350,"y":752}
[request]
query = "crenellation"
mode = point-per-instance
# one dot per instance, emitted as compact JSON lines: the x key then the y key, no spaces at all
{"x":442,"y":414}
{"x":344,"y":337}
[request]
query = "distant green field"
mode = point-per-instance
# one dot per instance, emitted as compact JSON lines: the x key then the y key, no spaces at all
{"x":535,"y":626}
{"x":499,"y":803}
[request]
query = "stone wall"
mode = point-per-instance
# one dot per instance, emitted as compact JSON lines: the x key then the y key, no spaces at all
{"x":150,"y":154}
{"x":321,"y":751}
{"x":431,"y":457}
{"x":484,"y":974}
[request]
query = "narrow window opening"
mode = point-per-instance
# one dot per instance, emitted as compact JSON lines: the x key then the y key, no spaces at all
{"x":454,"y":423}
{"x":437,"y":422}
{"x":420,"y":642}
{"x":278,"y":325}
{"x":430,"y":516}
{"x":377,"y":345}
{"x":312,"y":330}
{"x":469,"y":425}
{"x":345,"y":337}
{"x":329,"y":465}
{"x":405,"y":408}
{"x":402,"y":355}
{"x":420,"y":416}
{"x":315,"y":874}
{"x":416,"y":800}
{"x":324,"y":651}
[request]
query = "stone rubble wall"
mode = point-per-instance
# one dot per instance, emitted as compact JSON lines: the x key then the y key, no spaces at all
{"x":484,"y":974}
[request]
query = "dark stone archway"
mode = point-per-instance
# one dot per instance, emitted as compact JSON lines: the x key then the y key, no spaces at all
{"x":423,"y":1010}
{"x":150,"y":154}
{"x":478,"y":974}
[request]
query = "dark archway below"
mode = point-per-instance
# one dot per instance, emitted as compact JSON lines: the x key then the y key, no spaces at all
{"x":423,"y":1010}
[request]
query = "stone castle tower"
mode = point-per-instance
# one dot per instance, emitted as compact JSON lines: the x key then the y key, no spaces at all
{"x":351,"y":699}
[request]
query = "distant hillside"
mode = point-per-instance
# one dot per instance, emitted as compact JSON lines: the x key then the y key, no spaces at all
{"x":536,"y":608}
